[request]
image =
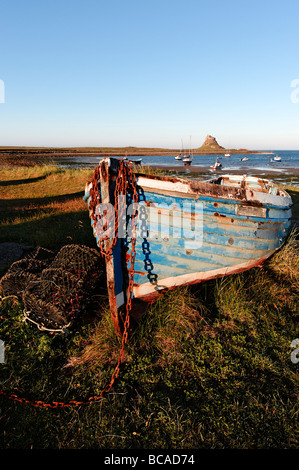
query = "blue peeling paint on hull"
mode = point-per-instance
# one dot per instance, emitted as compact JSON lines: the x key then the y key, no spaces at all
{"x":227,"y":239}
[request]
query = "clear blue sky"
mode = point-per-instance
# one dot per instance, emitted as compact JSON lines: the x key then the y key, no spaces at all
{"x":149,"y":73}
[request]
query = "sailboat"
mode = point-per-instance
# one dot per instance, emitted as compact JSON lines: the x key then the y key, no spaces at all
{"x":188,"y":159}
{"x":181,"y":154}
{"x":227,"y":155}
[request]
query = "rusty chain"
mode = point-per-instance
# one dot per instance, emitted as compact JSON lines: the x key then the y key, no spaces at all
{"x":125,"y":182}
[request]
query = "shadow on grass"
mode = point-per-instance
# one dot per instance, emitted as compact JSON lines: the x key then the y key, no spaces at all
{"x":295,"y":198}
{"x":51,"y":231}
{"x":23,"y":181}
{"x":11,"y":208}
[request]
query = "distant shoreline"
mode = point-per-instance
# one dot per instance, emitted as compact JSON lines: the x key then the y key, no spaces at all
{"x":35,"y":152}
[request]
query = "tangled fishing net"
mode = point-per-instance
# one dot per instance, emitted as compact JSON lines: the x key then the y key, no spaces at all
{"x":55,"y":289}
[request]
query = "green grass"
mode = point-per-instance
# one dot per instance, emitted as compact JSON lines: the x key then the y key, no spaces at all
{"x":208,"y":367}
{"x":44,"y":206}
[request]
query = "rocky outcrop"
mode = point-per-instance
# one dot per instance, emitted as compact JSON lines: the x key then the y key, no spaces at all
{"x":211,"y":143}
{"x":211,"y":146}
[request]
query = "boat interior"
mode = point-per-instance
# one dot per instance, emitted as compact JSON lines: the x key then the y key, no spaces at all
{"x":249,"y":182}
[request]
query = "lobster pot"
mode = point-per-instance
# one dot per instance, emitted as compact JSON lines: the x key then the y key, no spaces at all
{"x":58,"y":290}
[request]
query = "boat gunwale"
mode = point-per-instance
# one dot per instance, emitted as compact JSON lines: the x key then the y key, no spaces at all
{"x":193,"y":189}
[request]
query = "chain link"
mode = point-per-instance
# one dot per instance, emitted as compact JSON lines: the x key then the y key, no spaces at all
{"x":125,"y":183}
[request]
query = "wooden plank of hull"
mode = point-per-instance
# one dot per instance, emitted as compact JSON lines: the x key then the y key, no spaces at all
{"x":149,"y":292}
{"x":166,"y":224}
{"x":168,"y":260}
{"x":228,"y":207}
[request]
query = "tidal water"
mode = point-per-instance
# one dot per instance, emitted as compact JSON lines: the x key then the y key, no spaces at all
{"x":262,"y":162}
{"x":289,"y":160}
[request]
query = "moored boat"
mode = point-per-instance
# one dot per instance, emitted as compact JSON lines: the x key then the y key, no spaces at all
{"x":186,"y":232}
{"x":138,"y":161}
{"x":217,"y":165}
{"x":187,"y":160}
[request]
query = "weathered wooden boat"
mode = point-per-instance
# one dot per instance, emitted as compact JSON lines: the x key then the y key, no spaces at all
{"x":187,"y":231}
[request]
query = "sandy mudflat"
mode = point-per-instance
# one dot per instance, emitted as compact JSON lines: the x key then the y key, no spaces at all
{"x":283,"y":171}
